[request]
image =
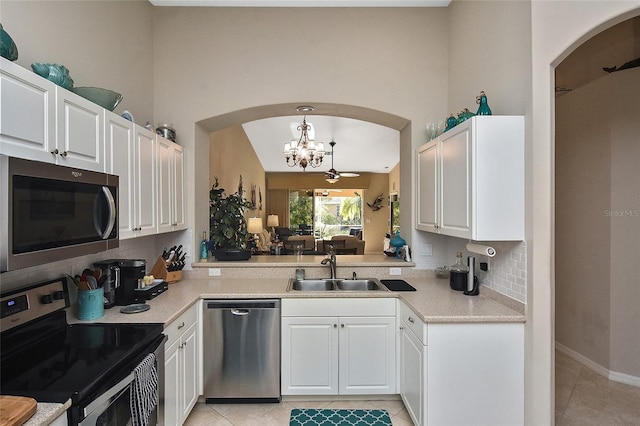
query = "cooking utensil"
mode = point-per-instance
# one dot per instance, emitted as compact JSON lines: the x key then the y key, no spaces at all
{"x":15,"y":410}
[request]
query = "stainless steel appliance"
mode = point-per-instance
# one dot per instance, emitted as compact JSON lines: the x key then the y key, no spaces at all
{"x":241,"y":350}
{"x":46,"y":358}
{"x":53,"y":212}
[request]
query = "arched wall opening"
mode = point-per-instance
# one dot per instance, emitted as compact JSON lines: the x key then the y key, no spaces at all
{"x":233,"y":118}
{"x":597,"y":154}
{"x":554,"y":37}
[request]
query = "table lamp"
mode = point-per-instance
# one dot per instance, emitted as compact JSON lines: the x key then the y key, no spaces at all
{"x":272,"y":221}
{"x":254,"y":226}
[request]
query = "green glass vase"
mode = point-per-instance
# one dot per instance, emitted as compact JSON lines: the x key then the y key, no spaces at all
{"x":483,"y":108}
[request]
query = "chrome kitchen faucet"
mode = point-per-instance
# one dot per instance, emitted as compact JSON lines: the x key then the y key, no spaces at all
{"x":331,"y":260}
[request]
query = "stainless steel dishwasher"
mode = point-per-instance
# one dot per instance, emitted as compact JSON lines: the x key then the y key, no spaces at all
{"x":241,"y":348}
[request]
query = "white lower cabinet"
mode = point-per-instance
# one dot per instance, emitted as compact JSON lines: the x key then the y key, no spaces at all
{"x":181,"y":367}
{"x":338,"y":346}
{"x":413,"y":368}
{"x":461,"y":373}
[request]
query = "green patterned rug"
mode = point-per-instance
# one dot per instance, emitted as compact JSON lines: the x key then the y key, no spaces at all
{"x":328,"y":417}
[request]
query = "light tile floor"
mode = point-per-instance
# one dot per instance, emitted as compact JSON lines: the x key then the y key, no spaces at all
{"x":278,"y":414}
{"x":583,"y":398}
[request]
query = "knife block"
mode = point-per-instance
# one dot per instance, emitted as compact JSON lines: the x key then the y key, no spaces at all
{"x":159,"y":270}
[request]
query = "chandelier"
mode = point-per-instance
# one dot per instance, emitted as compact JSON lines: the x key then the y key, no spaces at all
{"x":304,"y":151}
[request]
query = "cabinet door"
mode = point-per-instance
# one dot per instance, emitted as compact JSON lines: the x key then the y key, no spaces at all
{"x":367,"y":355}
{"x":412,"y":374}
{"x":80,"y":140}
{"x":309,"y":356}
{"x":190,"y":370}
{"x":455,"y":175}
{"x":178,"y":188}
{"x":27,"y":114}
{"x":172,"y":385}
{"x":428,"y":183}
{"x":165,"y":164}
{"x":145,"y":182}
{"x":119,"y":147}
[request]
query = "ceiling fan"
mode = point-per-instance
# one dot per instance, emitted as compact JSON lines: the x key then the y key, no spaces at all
{"x":332,"y":175}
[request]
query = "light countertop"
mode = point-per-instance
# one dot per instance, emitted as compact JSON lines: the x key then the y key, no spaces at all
{"x":433,"y":302}
{"x":47,"y":413}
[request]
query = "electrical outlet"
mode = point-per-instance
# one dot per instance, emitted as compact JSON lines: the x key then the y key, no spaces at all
{"x":214,"y":272}
{"x":395,"y":271}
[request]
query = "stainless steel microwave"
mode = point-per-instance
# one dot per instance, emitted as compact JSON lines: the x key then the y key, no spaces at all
{"x":50,"y":213}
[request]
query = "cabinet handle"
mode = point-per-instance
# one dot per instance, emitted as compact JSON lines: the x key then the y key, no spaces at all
{"x":63,"y":153}
{"x":342,"y":325}
{"x":410,"y":320}
{"x":55,"y":151}
{"x":181,"y":325}
{"x":401,"y":328}
{"x":335,"y":325}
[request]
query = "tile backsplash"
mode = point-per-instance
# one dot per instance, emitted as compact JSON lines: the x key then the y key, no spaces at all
{"x":148,"y":248}
{"x":508,"y":270}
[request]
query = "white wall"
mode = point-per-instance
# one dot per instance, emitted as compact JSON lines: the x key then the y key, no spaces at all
{"x":226,"y":60}
{"x":103,"y":44}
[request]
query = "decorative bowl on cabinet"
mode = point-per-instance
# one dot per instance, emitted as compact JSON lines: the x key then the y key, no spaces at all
{"x":107,"y":99}
{"x":57,"y":74}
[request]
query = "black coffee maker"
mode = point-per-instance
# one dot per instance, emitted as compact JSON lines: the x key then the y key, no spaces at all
{"x":110,"y":282}
{"x":130,"y":271}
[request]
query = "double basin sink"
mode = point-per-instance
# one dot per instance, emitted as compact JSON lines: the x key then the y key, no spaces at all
{"x":328,"y":284}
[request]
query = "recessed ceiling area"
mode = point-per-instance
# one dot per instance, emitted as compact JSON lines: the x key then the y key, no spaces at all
{"x":303,"y":3}
{"x":361,"y":146}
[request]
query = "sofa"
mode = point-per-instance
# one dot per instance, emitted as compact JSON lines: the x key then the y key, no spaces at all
{"x":349,"y":242}
{"x":308,"y":240}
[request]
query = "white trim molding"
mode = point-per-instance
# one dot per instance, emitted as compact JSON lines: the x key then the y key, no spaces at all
{"x":303,"y":3}
{"x":614,"y":376}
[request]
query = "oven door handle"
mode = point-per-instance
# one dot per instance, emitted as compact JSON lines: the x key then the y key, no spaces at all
{"x":112,"y":394}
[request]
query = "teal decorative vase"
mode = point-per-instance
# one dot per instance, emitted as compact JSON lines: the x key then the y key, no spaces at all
{"x":464,"y":115}
{"x":451,"y":123}
{"x":397,"y":241}
{"x":483,"y":108}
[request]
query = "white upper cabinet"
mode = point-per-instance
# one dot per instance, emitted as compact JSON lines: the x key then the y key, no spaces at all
{"x":27,"y":114}
{"x":119,"y":146}
{"x":43,"y":122}
{"x":470,"y":180}
{"x":170,"y":186}
{"x":145,"y":182}
{"x":80,"y":140}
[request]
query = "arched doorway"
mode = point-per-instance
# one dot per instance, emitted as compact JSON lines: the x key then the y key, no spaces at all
{"x":597,"y":240}
{"x":557,"y":28}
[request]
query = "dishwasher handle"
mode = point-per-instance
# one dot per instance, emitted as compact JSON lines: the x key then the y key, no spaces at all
{"x":242,"y":305}
{"x":240,"y":312}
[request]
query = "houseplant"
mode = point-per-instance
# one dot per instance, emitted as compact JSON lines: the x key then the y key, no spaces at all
{"x":227,"y":225}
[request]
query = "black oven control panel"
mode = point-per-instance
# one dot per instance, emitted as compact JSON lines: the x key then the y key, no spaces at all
{"x":14,"y":305}
{"x":21,"y":306}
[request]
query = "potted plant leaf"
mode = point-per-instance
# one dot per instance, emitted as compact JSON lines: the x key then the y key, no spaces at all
{"x":228,"y":226}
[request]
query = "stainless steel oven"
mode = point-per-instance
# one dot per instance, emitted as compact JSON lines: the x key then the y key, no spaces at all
{"x":54,"y":212}
{"x":112,"y":405}
{"x":95,"y":365}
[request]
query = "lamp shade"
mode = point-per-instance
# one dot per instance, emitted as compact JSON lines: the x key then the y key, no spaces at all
{"x":254,"y":225}
{"x":272,"y":220}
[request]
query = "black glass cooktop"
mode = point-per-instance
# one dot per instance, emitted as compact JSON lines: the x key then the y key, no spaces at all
{"x":71,"y":361}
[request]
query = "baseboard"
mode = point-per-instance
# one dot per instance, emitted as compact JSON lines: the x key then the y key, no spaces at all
{"x":614,"y":376}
